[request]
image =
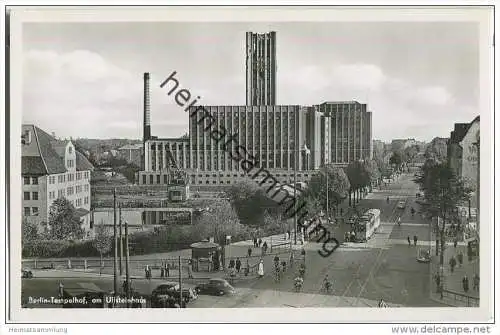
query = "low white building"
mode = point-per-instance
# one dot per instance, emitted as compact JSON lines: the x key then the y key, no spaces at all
{"x":53,"y":169}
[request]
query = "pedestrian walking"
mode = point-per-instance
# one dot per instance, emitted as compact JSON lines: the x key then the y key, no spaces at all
{"x":231,"y":263}
{"x":465,"y":283}
{"x":249,"y":252}
{"x":437,"y":278}
{"x":415,"y":239}
{"x":247,"y":268}
{"x":460,"y":258}
{"x":238,"y":265}
{"x":455,"y":242}
{"x":162,"y":271}
{"x":475,"y":282}
{"x":288,"y":235}
{"x":283,"y":265}
{"x":260,"y":242}
{"x":260,"y":271}
{"x":409,"y":241}
{"x":276,"y":261}
{"x":255,"y":241}
{"x":453,"y":262}
{"x":190,"y":269}
{"x":167,"y":270}
{"x":264,"y":248}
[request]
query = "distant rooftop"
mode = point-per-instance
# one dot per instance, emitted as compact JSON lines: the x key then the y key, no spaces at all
{"x":137,"y":146}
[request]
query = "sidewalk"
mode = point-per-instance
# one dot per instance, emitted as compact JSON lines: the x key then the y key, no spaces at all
{"x":453,"y":281}
{"x":276,"y":241}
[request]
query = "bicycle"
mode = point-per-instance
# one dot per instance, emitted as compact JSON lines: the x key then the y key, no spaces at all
{"x":327,"y":287}
{"x":299,"y":281}
{"x":277,"y":274}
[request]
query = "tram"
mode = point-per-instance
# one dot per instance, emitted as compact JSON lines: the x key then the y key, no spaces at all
{"x":368,"y":224}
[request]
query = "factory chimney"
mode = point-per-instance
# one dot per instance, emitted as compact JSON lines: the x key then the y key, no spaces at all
{"x":147,"y":109}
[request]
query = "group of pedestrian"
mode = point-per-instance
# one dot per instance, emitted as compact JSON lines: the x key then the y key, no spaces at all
{"x":235,"y":264}
{"x":475,"y":283}
{"x":165,"y":270}
{"x":257,"y":242}
{"x":459,"y":260}
{"x":415,"y":240}
{"x":350,"y":236}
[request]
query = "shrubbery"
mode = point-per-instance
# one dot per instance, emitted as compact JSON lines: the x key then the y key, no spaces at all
{"x":141,"y":243}
{"x":58,"y":248}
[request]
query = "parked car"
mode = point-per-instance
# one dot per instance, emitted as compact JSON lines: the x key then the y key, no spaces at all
{"x":401,"y":204}
{"x":26,"y":274}
{"x":216,"y":286}
{"x":173,"y":290}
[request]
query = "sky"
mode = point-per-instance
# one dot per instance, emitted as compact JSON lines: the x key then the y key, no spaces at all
{"x":85,"y":79}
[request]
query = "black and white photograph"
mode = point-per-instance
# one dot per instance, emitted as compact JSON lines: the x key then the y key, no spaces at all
{"x":289,"y":162}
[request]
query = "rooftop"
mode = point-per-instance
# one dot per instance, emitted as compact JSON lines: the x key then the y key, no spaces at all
{"x":44,"y":154}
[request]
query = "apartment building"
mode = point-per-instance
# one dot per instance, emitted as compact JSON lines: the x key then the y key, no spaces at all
{"x":52,"y":169}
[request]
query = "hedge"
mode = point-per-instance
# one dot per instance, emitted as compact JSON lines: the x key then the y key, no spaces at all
{"x":141,"y":243}
{"x":56,"y":248}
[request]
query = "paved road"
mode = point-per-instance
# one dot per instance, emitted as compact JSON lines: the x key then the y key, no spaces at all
{"x":384,"y":268}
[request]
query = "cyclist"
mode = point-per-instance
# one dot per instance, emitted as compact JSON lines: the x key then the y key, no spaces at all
{"x":302,"y":270}
{"x":298,"y":282}
{"x":326,"y":284}
{"x":277,"y":273}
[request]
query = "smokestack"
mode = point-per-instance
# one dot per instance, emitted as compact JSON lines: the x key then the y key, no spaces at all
{"x":147,"y":109}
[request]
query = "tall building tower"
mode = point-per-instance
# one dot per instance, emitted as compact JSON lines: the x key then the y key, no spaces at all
{"x":261,"y":69}
{"x":146,"y":109}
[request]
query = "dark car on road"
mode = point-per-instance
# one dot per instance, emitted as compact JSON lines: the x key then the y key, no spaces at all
{"x":173,"y":290}
{"x":216,"y":286}
{"x":26,"y":274}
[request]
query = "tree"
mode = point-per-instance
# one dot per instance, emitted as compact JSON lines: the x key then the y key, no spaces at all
{"x":374,"y":172}
{"x":220,"y":220}
{"x":411,"y":152}
{"x":102,"y":241}
{"x":437,"y":150}
{"x":359,"y":178}
{"x":30,"y":231}
{"x":396,"y":159}
{"x":443,"y":192}
{"x":316,"y":193}
{"x":64,"y":224}
{"x":250,"y":202}
{"x":129,"y":171}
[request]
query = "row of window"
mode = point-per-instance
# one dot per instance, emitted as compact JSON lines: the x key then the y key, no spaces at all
{"x":71,"y":177}
{"x":30,"y":180}
{"x":306,"y":175}
{"x":30,"y":195}
{"x":221,"y":182}
{"x":60,"y":193}
{"x":34,"y":210}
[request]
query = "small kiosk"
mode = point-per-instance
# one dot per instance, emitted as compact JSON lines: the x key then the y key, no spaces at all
{"x":206,"y":256}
